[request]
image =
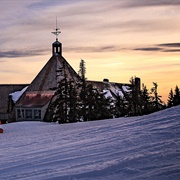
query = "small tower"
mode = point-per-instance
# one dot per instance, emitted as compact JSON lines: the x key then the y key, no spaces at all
{"x":57,"y":46}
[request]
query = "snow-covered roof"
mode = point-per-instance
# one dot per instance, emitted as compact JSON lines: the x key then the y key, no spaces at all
{"x":107,"y":93}
{"x":119,"y":93}
{"x":126,"y":88}
{"x":17,"y":94}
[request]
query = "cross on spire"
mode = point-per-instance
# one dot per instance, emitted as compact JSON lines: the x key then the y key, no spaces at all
{"x":57,"y":31}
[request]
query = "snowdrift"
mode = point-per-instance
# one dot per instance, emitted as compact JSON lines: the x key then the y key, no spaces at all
{"x":144,"y":147}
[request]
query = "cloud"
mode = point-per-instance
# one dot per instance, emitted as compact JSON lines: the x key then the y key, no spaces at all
{"x":140,"y":3}
{"x":38,"y":52}
{"x":170,"y":45}
{"x":171,"y":50}
{"x":165,"y":47}
{"x":148,"y":49}
{"x":42,"y":4}
{"x":93,"y":49}
{"x":22,"y":53}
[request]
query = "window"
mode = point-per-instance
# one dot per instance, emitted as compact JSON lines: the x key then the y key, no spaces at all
{"x":20,"y":113}
{"x":37,"y":114}
{"x":28,"y":114}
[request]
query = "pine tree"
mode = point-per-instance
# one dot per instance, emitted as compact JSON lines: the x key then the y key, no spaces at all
{"x":91,"y":102}
{"x":128,"y":103}
{"x":60,"y":103}
{"x":120,"y":109}
{"x":170,"y":98}
{"x":98,"y":106}
{"x":65,"y":103}
{"x":104,"y":106}
{"x":82,"y":70}
{"x":145,"y":98}
{"x":83,"y":90}
{"x":156,"y":99}
{"x":176,"y":100}
{"x":72,"y":102}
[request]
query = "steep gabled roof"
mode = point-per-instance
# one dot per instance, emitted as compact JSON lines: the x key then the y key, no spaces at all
{"x":48,"y":77}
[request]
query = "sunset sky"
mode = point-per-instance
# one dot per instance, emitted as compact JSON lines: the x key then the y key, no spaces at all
{"x":117,"y":39}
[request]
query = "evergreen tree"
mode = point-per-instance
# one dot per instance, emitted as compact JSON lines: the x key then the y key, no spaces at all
{"x":93,"y":104}
{"x":83,"y":90}
{"x":72,"y":102}
{"x":145,"y":99}
{"x":82,"y":70}
{"x":128,"y":103}
{"x":176,"y":100}
{"x":170,"y":98}
{"x":156,"y":99}
{"x":104,"y":106}
{"x":98,"y":106}
{"x":60,"y":104}
{"x":65,"y":103}
{"x":120,"y":109}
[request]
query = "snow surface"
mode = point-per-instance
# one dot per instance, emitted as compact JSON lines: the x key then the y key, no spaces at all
{"x":144,"y":147}
{"x":17,"y":94}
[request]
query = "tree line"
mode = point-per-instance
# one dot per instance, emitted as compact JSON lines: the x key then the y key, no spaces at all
{"x":81,"y":101}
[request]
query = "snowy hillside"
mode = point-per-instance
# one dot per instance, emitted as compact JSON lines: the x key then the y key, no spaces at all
{"x":144,"y":147}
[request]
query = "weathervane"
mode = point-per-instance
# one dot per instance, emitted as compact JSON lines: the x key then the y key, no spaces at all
{"x":57,"y":32}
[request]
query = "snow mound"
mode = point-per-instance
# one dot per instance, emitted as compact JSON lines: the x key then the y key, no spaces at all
{"x":144,"y":147}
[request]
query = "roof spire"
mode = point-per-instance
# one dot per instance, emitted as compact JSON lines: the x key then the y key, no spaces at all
{"x":57,"y":32}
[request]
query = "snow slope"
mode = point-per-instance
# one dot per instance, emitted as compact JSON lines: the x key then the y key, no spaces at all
{"x":144,"y":147}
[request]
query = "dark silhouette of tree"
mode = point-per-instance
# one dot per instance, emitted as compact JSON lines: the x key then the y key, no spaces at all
{"x":176,"y":100}
{"x":82,"y":86}
{"x":156,"y":99}
{"x":104,"y":106}
{"x":93,"y":103}
{"x":145,"y":99}
{"x":120,"y":106}
{"x":65,"y":103}
{"x":82,"y":70}
{"x":72,"y":101}
{"x":170,"y":101}
{"x":99,"y":106}
{"x":60,"y":104}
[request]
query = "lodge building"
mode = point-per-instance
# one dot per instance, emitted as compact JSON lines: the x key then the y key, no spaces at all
{"x":30,"y":102}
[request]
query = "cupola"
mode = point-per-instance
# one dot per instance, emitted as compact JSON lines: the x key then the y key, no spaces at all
{"x":57,"y":48}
